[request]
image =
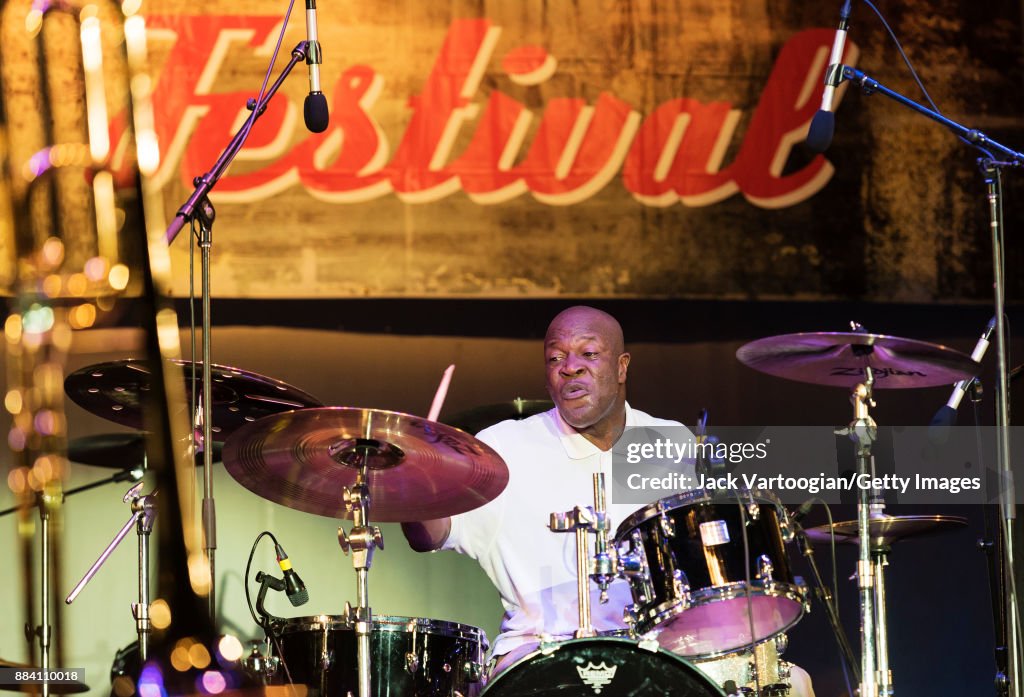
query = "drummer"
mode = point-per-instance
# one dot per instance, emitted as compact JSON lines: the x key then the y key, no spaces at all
{"x":551,"y":459}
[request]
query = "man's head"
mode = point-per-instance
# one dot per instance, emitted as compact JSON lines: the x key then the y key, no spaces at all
{"x":586,"y":369}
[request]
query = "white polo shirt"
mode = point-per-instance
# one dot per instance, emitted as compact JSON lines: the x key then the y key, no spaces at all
{"x":551,"y":469}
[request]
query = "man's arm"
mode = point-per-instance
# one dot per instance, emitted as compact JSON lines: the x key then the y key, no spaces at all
{"x":427,"y":535}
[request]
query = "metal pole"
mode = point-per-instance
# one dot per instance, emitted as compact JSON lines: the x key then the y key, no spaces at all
{"x":885,"y":686}
{"x":44,"y":629}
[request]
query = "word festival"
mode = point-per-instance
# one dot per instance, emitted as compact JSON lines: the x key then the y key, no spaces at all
{"x":674,"y":154}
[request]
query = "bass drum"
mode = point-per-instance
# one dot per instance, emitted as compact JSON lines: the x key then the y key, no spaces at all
{"x":410,"y":657}
{"x":588,"y":667}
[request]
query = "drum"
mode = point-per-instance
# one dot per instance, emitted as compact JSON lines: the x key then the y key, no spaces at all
{"x":410,"y":656}
{"x":601,"y":664}
{"x":759,"y":668}
{"x":692,"y":590}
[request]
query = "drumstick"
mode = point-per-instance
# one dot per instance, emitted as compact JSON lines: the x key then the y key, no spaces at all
{"x":442,"y":392}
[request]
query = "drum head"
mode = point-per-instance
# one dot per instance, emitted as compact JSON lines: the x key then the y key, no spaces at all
{"x":588,"y":667}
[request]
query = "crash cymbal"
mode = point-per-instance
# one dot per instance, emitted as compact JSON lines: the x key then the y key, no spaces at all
{"x":889,"y":529}
{"x":417,"y":469}
{"x":114,"y":390}
{"x":478,"y":418}
{"x":55,"y":688}
{"x":119,"y":450}
{"x":839,"y":358}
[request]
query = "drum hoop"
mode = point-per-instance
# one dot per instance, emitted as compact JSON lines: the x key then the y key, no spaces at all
{"x":552,"y":648}
{"x":667,"y":610}
{"x":385,"y":623}
{"x":688,"y":498}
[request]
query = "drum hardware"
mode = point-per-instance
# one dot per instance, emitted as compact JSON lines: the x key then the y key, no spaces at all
{"x":758,"y":671}
{"x":362,"y":540}
{"x":143,"y":510}
{"x":862,"y":362}
{"x":299,"y":458}
{"x":603,"y":567}
{"x":693,"y":592}
{"x":260,"y":664}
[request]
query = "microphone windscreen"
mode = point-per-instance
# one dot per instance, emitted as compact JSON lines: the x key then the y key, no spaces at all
{"x":314,"y":111}
{"x":819,"y":135}
{"x":300,"y":598}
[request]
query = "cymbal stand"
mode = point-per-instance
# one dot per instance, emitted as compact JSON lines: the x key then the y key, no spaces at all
{"x":143,"y":513}
{"x":863,"y":431}
{"x":47,"y":502}
{"x":1010,"y":673}
{"x":362,"y":541}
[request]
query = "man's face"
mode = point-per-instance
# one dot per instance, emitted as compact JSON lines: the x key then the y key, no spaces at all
{"x":586,"y":369}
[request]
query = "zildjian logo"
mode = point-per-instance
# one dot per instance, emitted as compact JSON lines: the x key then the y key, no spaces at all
{"x":597,"y":677}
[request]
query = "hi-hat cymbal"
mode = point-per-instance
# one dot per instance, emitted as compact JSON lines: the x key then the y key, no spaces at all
{"x":119,"y":450}
{"x":839,"y":359}
{"x":478,"y":418}
{"x":416,"y":469}
{"x":114,"y":390}
{"x":888,"y":529}
{"x":59,"y":688}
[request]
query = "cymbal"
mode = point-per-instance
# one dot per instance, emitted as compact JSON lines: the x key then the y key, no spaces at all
{"x":417,"y":469}
{"x":119,"y":450}
{"x":839,"y":358}
{"x":55,"y":688}
{"x":889,"y":529}
{"x":478,"y":418}
{"x":114,"y":390}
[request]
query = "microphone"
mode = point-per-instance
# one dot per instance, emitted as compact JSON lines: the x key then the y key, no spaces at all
{"x":294,"y":588}
{"x":946,"y":415}
{"x":823,"y":125}
{"x":314,"y":109}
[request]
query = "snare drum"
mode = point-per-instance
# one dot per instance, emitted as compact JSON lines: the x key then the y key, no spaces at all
{"x":410,"y":656}
{"x":587,"y":667}
{"x":693,"y":590}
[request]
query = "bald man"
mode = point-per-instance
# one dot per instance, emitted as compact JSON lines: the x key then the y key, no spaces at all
{"x":551,"y":459}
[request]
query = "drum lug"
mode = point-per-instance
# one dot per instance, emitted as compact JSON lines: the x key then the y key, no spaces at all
{"x":649,"y":643}
{"x":765,"y":569}
{"x":680,"y":586}
{"x":785,"y":670}
{"x":753,"y":511}
{"x":668,"y":526}
{"x":548,"y":644}
{"x":473,"y":670}
{"x":781,"y":643}
{"x":412,"y":663}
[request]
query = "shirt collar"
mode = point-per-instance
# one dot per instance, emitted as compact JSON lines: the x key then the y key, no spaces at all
{"x":577,"y":447}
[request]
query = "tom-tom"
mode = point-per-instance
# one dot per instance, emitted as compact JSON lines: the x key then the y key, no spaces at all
{"x":597,"y":665}
{"x":692,"y":589}
{"x":410,"y":656}
{"x":759,"y":671}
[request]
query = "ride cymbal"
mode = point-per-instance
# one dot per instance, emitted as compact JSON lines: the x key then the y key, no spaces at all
{"x":416,"y":469}
{"x":839,"y":359}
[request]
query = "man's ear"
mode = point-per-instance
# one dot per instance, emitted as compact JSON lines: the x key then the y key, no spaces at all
{"x":623,"y":367}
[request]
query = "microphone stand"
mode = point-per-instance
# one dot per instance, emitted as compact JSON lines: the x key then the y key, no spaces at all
{"x":825,"y":595}
{"x":198,"y":208}
{"x":991,"y":171}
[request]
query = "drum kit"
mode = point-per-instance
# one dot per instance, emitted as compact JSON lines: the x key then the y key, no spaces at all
{"x":709,"y":572}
